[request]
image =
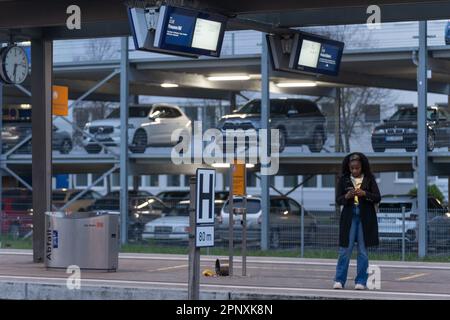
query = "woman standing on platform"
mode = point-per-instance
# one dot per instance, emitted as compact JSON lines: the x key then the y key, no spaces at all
{"x":357,"y":192}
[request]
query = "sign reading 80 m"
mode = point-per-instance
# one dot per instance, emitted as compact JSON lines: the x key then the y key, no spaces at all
{"x":204,"y":208}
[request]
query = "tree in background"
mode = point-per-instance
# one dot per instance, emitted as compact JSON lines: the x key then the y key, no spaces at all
{"x":354,"y":100}
{"x":433,"y":191}
{"x":96,"y":50}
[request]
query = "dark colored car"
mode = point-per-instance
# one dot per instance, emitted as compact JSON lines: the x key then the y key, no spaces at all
{"x":400,"y":130}
{"x":220,"y":197}
{"x":300,"y":121}
{"x":284,"y":222}
{"x":131,"y":194}
{"x":439,"y":232}
{"x":14,"y":132}
{"x":447,"y":33}
{"x":171,"y":198}
{"x":142,"y":209}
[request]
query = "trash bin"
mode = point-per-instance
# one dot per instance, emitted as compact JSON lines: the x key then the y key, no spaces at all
{"x":89,"y":240}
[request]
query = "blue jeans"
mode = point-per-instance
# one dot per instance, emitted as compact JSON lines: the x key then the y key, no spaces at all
{"x":362,"y":261}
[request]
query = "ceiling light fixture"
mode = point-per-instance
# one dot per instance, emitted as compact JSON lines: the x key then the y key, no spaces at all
{"x":169,"y":85}
{"x":296,"y":84}
{"x":229,"y":78}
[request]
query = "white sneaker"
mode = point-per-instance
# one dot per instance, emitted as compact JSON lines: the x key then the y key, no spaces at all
{"x":359,"y":286}
{"x":337,"y":285}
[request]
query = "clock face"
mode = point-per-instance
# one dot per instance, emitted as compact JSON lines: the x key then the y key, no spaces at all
{"x":15,"y":65}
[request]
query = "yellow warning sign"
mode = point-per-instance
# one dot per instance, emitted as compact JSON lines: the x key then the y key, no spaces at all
{"x":60,"y":101}
{"x":238,"y":179}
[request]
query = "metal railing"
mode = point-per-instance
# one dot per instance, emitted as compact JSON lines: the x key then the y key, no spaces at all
{"x":309,"y":234}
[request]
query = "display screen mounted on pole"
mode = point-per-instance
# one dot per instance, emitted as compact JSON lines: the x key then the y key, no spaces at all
{"x":316,"y":54}
{"x":178,"y":31}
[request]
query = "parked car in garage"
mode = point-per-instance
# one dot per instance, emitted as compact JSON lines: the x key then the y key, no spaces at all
{"x":400,"y":130}
{"x":147,"y":126}
{"x":14,"y":133}
{"x":390,"y":217}
{"x":17,"y":212}
{"x":447,"y":33}
{"x":284,"y":221}
{"x":61,"y":197}
{"x":300,"y":121}
{"x":172,"y":197}
{"x":174,"y":225}
{"x":142,"y":208}
{"x":439,"y":232}
{"x":220,"y":198}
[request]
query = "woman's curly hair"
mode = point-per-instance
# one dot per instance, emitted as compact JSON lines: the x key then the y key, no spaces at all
{"x":365,"y":166}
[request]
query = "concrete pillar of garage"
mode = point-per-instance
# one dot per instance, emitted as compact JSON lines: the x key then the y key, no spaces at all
{"x":41,"y":99}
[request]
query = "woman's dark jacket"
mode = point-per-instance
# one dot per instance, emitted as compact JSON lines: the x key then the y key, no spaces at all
{"x":367,"y":210}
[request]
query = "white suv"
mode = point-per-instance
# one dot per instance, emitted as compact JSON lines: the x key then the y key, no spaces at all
{"x":147,"y":126}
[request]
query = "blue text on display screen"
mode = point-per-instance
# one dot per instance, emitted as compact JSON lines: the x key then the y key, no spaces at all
{"x":190,"y":31}
{"x":315,"y":54}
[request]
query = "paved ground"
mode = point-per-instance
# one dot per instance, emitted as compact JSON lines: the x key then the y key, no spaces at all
{"x":154,"y":276}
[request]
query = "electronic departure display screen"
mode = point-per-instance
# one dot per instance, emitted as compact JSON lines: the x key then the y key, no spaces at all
{"x":316,"y":54}
{"x":189,"y":31}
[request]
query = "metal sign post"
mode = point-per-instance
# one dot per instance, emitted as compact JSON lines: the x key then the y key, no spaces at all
{"x":194,"y":252}
{"x":201,"y":218}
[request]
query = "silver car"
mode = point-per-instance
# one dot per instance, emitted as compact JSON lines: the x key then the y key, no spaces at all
{"x":300,"y":121}
{"x":390,"y":216}
{"x":172,"y":226}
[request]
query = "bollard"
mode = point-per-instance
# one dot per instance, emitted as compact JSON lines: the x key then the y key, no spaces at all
{"x":243,"y":212}
{"x":222,"y":268}
{"x":403,"y":233}
{"x":302,"y":232}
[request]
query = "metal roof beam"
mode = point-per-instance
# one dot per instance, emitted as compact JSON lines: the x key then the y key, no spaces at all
{"x":344,"y":14}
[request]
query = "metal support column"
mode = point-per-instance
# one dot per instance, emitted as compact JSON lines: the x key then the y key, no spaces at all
{"x":124,"y":68}
{"x":337,"y":140}
{"x":194,"y":252}
{"x":265,"y":113}
{"x":337,"y":120}
{"x":232,"y":102}
{"x":422,"y":138}
{"x":448,"y":149}
{"x":41,"y":100}
{"x":1,"y":151}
